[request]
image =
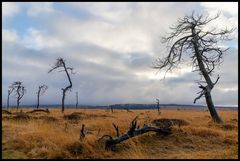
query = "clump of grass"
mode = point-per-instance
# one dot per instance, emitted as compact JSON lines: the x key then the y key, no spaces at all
{"x":75,"y":148}
{"x":72,"y":117}
{"x":21,"y":116}
{"x":166,"y":123}
{"x":48,"y":118}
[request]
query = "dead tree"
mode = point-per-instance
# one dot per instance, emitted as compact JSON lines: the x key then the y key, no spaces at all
{"x":10,"y":90}
{"x":61,"y":64}
{"x":190,"y":36}
{"x":132,"y":132}
{"x":19,"y":91}
{"x":111,"y":106}
{"x":158,"y":106}
{"x":127,"y":109}
{"x":41,"y":91}
{"x":76,"y":100}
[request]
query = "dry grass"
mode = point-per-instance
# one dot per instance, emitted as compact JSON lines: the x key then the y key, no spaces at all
{"x":56,"y":135}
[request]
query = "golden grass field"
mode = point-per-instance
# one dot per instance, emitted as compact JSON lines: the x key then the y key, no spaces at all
{"x":51,"y":136}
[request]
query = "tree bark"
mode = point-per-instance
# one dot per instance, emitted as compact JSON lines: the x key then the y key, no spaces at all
{"x":63,"y":99}
{"x":112,"y":141}
{"x":211,"y":108}
{"x":68,"y":87}
{"x":77,"y":100}
{"x":18,"y":98}
{"x":158,"y":107}
{"x":38,"y":97}
{"x":8,"y":100}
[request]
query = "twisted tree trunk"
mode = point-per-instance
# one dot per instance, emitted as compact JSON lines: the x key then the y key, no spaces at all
{"x":38,"y":98}
{"x":63,"y":99}
{"x":18,"y":98}
{"x":67,"y":88}
{"x":76,"y":100}
{"x":210,"y":85}
{"x":8,"y":99}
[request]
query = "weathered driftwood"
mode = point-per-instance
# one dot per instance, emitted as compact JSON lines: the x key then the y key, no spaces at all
{"x":38,"y":110}
{"x":132,"y":132}
{"x":117,"y":130}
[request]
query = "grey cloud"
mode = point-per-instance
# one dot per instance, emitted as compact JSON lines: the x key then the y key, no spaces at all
{"x":104,"y":75}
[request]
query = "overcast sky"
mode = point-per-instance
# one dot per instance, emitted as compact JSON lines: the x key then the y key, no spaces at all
{"x":111,"y":47}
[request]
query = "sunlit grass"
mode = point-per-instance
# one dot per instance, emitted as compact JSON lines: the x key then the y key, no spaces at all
{"x":38,"y":138}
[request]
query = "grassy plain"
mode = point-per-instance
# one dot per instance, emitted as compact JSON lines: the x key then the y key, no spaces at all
{"x":44,"y":135}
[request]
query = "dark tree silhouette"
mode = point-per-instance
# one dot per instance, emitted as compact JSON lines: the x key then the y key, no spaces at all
{"x":41,"y":90}
{"x":61,"y":64}
{"x":111,"y":108}
{"x":76,"y":100}
{"x":19,"y":91}
{"x":158,"y":106}
{"x":10,"y":90}
{"x":190,"y":36}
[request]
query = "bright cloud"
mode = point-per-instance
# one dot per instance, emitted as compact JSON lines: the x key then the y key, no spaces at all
{"x":9,"y":9}
{"x":40,"y":8}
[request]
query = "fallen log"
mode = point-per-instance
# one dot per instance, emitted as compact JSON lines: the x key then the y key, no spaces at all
{"x":39,"y":110}
{"x":110,"y":141}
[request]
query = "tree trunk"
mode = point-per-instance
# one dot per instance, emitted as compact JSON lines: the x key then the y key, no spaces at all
{"x":68,"y":87}
{"x":8,"y":101}
{"x":210,"y":85}
{"x":211,"y":108}
{"x":38,"y":99}
{"x":111,"y":108}
{"x":63,"y":98}
{"x":17,"y":103}
{"x":77,"y":99}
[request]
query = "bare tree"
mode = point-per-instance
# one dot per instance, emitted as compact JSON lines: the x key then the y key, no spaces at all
{"x":76,"y":100}
{"x":19,"y":90}
{"x":111,"y":106}
{"x":10,"y":90}
{"x":190,"y":36}
{"x":41,"y":90}
{"x":61,"y":64}
{"x":158,"y":106}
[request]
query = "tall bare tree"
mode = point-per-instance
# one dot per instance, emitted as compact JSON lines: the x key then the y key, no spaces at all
{"x":19,"y":90}
{"x":61,"y":64}
{"x":41,"y":90}
{"x":158,"y":106}
{"x":191,"y":35}
{"x":10,"y":90}
{"x":76,"y":100}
